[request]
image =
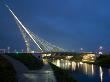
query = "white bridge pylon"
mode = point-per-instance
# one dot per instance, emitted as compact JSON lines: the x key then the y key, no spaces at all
{"x":29,"y":37}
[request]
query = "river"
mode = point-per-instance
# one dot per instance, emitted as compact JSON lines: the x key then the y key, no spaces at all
{"x":84,"y":72}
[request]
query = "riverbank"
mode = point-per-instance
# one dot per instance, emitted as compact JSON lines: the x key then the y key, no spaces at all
{"x":30,"y":61}
{"x":103,"y":60}
{"x":7,"y":72}
{"x":23,"y":74}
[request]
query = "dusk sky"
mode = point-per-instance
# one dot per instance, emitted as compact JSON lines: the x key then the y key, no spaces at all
{"x":69,"y":24}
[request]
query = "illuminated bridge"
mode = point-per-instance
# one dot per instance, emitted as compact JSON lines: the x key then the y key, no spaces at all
{"x":32,"y":40}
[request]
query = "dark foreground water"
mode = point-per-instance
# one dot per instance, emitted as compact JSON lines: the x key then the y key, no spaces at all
{"x":85,"y":72}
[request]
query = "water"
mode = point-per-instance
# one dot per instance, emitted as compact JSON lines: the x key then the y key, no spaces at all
{"x":84,"y":72}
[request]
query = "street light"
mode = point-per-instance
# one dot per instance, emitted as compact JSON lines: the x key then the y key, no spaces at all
{"x":8,"y":49}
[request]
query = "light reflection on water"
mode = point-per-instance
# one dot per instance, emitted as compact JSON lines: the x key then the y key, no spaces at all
{"x":74,"y":66}
{"x":101,"y":74}
{"x":92,"y":69}
{"x":89,"y":70}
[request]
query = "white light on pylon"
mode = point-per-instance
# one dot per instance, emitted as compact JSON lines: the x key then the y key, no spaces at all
{"x":100,"y":47}
{"x":100,"y":53}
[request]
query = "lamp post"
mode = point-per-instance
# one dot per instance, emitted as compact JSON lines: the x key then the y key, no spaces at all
{"x":82,"y":50}
{"x":8,"y":49}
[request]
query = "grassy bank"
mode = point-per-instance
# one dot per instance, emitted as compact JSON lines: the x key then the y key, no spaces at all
{"x":31,"y":62}
{"x":7,"y":72}
{"x":62,"y":75}
{"x":103,"y":60}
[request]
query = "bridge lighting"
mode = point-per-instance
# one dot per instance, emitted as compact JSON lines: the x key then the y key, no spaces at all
{"x":30,"y":36}
{"x":17,"y":52}
{"x":19,"y":22}
{"x":26,"y":41}
{"x":32,"y":51}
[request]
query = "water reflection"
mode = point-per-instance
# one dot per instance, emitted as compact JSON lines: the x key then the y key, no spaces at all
{"x":58,"y":63}
{"x":84,"y":67}
{"x":109,"y":71}
{"x":101,"y":74}
{"x":88,"y":69}
{"x":78,"y":64}
{"x":74,"y":66}
{"x":89,"y":72}
{"x":92,"y":69}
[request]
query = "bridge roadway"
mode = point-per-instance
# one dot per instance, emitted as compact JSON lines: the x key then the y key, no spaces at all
{"x":24,"y":75}
{"x":58,"y":53}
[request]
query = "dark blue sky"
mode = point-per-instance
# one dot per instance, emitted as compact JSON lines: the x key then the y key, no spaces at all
{"x":70,"y":24}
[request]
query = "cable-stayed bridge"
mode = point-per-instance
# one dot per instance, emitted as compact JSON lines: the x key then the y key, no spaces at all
{"x":32,"y":39}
